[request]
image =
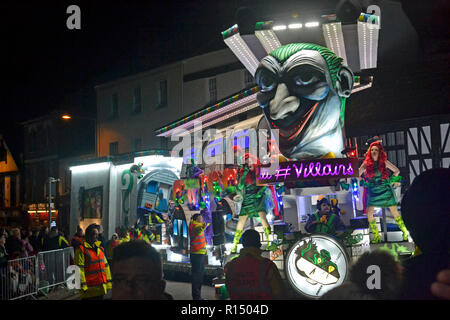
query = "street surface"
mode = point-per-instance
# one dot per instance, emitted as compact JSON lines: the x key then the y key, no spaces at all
{"x":178,"y":290}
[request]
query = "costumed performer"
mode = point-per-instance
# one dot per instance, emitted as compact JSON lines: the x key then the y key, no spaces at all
{"x":192,"y":184}
{"x":379,"y":190}
{"x":253,"y":200}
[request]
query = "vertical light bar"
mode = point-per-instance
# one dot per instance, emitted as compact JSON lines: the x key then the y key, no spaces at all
{"x":265,"y":34}
{"x":368,"y":44}
{"x":242,"y":52}
{"x":334,"y":38}
{"x":268,"y":39}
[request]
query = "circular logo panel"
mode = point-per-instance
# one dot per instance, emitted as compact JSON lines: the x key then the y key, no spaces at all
{"x":316,"y":264}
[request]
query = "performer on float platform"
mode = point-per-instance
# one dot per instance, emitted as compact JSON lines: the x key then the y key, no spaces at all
{"x":192,"y":184}
{"x":378,"y":184}
{"x":253,"y":204}
{"x":324,"y":220}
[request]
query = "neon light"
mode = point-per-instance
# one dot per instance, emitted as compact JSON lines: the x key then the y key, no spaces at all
{"x":298,"y":170}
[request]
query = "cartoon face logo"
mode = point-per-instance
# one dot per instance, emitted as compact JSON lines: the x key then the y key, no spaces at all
{"x":316,"y":266}
{"x":302,"y":91}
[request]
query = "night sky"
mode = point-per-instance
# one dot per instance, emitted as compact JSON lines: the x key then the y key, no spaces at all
{"x":43,"y":61}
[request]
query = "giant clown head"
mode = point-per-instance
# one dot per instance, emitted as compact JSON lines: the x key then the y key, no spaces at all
{"x":302,"y":91}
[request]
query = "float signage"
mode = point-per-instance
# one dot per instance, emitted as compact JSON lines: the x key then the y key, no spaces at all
{"x":303,"y":170}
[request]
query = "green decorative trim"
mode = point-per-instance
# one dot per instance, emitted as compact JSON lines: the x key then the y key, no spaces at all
{"x":343,"y":100}
{"x":394,"y":179}
{"x":127,"y":193}
{"x":263,"y":25}
{"x":230,"y":32}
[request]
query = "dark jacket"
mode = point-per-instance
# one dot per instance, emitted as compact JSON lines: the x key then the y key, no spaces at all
{"x":13,"y":244}
{"x":419,"y":273}
{"x":34,"y":241}
{"x":54,"y":241}
{"x":3,"y":258}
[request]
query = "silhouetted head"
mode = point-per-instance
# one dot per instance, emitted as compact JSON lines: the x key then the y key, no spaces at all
{"x":251,"y":238}
{"x":426,"y":211}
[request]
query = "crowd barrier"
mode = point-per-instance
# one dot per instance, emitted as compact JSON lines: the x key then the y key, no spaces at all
{"x":26,"y":277}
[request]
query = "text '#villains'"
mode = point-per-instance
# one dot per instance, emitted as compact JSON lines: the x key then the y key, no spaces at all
{"x":310,"y":170}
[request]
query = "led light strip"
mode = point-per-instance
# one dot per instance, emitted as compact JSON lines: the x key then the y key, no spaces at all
{"x":90,"y":167}
{"x":243,"y":52}
{"x":268,"y":39}
{"x":227,"y":116}
{"x":213,"y":114}
{"x":334,"y":39}
{"x":368,"y":45}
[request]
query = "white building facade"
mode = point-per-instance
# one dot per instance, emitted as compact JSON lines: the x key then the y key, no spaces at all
{"x":131,"y":108}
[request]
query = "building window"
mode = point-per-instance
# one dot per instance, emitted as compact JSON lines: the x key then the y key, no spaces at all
{"x":137,"y":144}
{"x":113,"y":148}
{"x":137,"y":106}
{"x":248,"y":79}
{"x":212,"y":90}
{"x":114,"y":108}
{"x":162,"y":94}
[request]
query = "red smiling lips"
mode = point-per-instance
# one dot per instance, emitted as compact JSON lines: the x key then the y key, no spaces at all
{"x":296,"y":128}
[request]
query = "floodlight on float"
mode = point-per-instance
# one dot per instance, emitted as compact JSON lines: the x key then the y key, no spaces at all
{"x":90,"y":167}
{"x":312,"y":24}
{"x":295,"y":26}
{"x":279,"y":27}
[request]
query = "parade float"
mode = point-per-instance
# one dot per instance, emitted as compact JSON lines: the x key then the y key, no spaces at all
{"x":301,"y":90}
{"x":291,"y":146}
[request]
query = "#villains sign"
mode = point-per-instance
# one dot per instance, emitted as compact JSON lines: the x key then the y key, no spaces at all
{"x":306,"y":170}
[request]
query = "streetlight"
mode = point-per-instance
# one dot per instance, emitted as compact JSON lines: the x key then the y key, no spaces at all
{"x":67,"y":116}
{"x":50,"y":181}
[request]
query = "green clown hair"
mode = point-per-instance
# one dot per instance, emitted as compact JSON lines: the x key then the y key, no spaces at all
{"x":333,"y":61}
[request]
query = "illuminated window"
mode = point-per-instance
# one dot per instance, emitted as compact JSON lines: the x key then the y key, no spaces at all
{"x":212,"y":90}
{"x":162,"y":94}
{"x":137,"y":106}
{"x":113,"y":148}
{"x":114,"y":107}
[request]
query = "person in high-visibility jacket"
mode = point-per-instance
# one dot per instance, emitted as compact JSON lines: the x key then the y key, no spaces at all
{"x":54,"y":240}
{"x":95,"y":275}
{"x":154,"y":218}
{"x":197,"y":253}
{"x":325,"y":220}
{"x":145,"y":234}
{"x":250,"y":276}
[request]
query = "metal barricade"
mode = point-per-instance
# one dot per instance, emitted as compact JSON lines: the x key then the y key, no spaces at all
{"x":18,"y":278}
{"x":51,"y":267}
{"x":25,"y":277}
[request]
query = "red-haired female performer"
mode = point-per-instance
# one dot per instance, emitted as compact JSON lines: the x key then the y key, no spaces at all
{"x":253,"y":202}
{"x":378,"y":183}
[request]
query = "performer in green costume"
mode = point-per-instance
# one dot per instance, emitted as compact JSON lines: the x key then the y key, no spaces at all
{"x":378,"y":184}
{"x":253,"y":201}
